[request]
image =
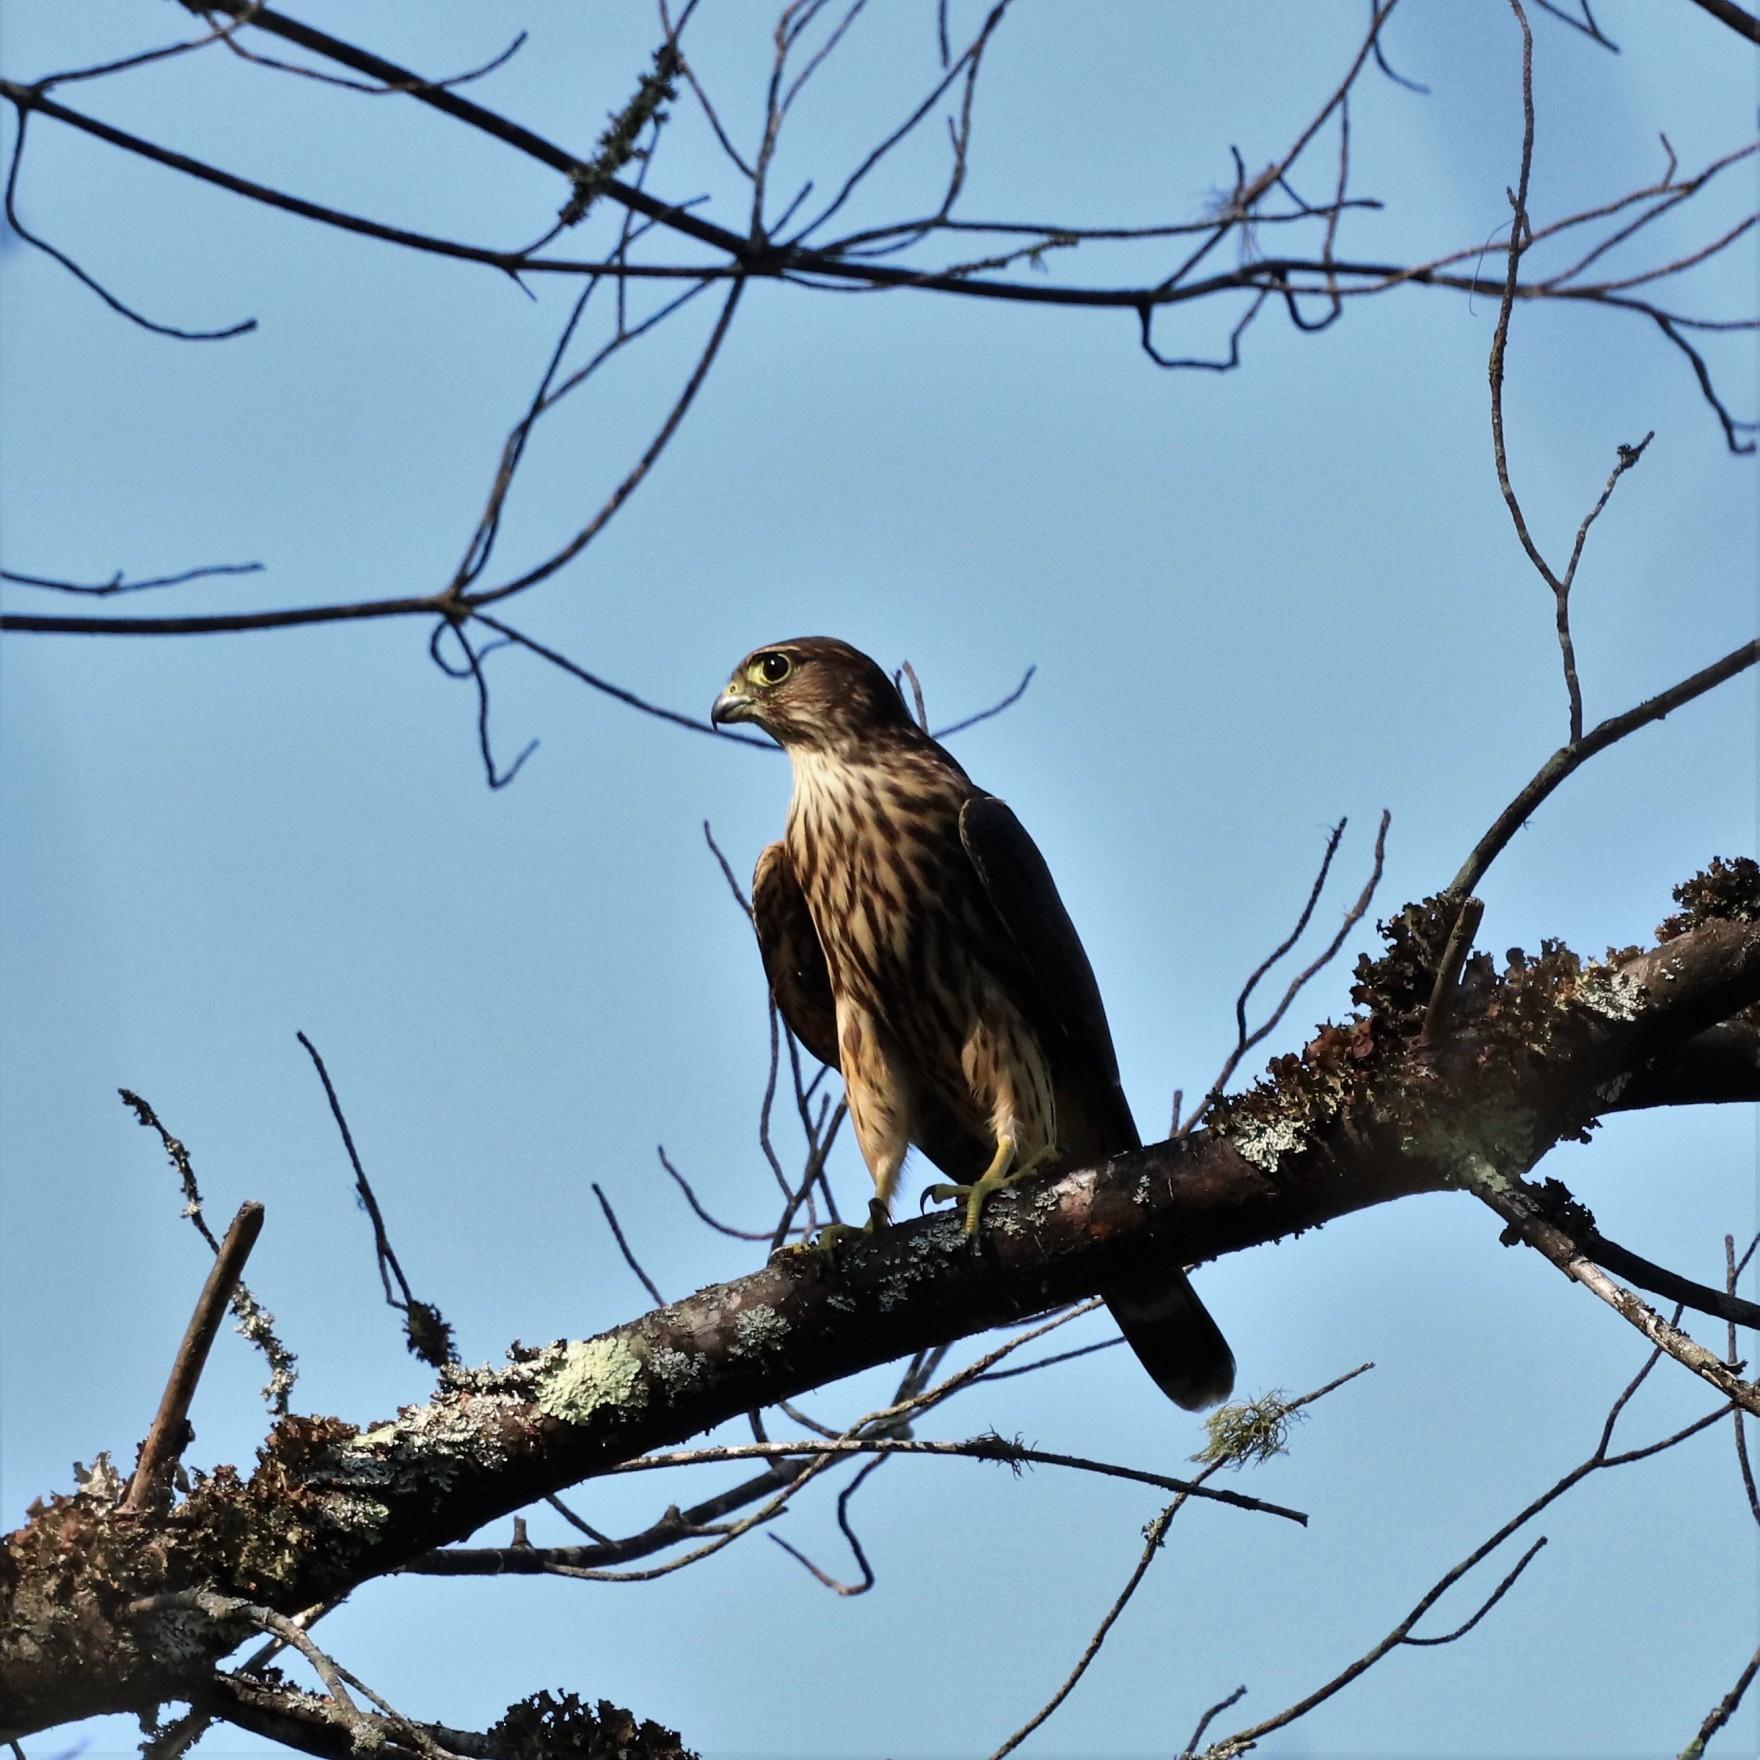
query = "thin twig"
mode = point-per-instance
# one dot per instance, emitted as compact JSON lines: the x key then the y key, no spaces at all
{"x":377,"y":88}
{"x":698,"y":1209}
{"x":25,"y":100}
{"x":983,"y":1448}
{"x":1568,"y":758}
{"x":1245,"y":1041}
{"x":473,"y":670}
{"x":1209,"y":1717}
{"x":1486,"y":1605}
{"x":119,"y":583}
{"x":165,"y":1440}
{"x":1153,"y":1536}
{"x":1242,"y":1740}
{"x":623,"y":1247}
{"x":426,"y":1331}
{"x":1732,"y":1271}
{"x":255,"y":1321}
{"x":1725,"y":1708}
{"x":907,"y":670}
{"x":632,"y":478}
{"x":867,"y":1579}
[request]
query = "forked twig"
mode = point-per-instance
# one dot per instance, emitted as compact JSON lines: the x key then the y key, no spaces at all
{"x":1570,"y":1256}
{"x":1569,"y":758}
{"x":1242,"y":1740}
{"x":1153,"y":1537}
{"x":1244,"y":1040}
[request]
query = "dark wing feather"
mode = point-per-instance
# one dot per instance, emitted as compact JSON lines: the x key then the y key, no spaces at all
{"x":1062,"y":1001}
{"x":1159,"y":1313}
{"x":794,"y":962}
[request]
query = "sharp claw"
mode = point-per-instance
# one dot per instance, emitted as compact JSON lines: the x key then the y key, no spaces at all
{"x":827,"y":1241}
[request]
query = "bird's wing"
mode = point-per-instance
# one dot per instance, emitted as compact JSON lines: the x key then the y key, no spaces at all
{"x":794,"y":962}
{"x":1061,"y":998}
{"x":1158,"y":1311}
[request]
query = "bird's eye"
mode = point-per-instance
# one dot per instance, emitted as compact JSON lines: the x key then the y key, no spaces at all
{"x":772,"y":668}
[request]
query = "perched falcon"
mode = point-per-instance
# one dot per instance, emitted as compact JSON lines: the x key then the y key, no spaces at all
{"x":915,"y":941}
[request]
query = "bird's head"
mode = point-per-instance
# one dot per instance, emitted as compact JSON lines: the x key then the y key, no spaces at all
{"x":813,"y":692}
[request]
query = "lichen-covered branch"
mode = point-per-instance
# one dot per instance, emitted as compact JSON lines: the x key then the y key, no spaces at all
{"x":1365,"y":1114}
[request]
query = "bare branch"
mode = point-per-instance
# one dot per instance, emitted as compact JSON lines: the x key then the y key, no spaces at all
{"x":1744,"y":24}
{"x":1400,"y":1635}
{"x":1568,"y":758}
{"x":866,"y":1580}
{"x":119,"y":583}
{"x":1726,"y":1707}
{"x":979,"y":1448}
{"x":254,"y":1320}
{"x":1245,"y":1041}
{"x":426,"y":1331}
{"x":24,"y":100}
{"x":623,"y":1247}
{"x":1153,"y":1536}
{"x":1515,"y":1203}
{"x":165,"y":1440}
{"x":1732,"y":1271}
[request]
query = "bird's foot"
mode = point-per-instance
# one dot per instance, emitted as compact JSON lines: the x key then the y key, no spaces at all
{"x":829,"y":1239}
{"x":998,"y":1176}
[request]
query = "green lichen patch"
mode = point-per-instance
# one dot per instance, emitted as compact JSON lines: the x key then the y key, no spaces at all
{"x":576,"y":1381}
{"x":1252,"y":1432}
{"x":758,"y":1331}
{"x":675,"y":1370}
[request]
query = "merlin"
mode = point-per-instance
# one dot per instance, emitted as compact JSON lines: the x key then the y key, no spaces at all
{"x":914,"y":940}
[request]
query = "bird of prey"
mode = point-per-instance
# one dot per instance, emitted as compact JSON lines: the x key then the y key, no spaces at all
{"x":914,"y":940}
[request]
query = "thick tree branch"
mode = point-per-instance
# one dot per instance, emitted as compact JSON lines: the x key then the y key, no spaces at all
{"x":1744,"y":24}
{"x":1721,"y":1064}
{"x":1364,"y":1116}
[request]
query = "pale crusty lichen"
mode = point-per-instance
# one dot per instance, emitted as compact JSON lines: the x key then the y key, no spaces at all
{"x":577,"y":1380}
{"x":1265,"y":1141}
{"x":1612,"y":993}
{"x":757,"y":1331}
{"x":675,"y":1370}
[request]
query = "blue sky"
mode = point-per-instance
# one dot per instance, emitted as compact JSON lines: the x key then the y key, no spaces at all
{"x":1257,"y":602}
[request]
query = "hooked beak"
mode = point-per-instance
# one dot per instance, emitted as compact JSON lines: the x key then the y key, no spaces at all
{"x":732,"y":705}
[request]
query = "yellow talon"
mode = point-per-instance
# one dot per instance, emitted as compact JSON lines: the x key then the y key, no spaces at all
{"x":1000,"y":1174}
{"x":830,"y":1238}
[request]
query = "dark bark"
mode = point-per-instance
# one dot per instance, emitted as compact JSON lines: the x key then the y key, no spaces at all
{"x":1366,"y":1114}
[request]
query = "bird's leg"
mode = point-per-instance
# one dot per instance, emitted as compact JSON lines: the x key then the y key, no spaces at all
{"x":1000,"y":1174}
{"x":830,"y":1238}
